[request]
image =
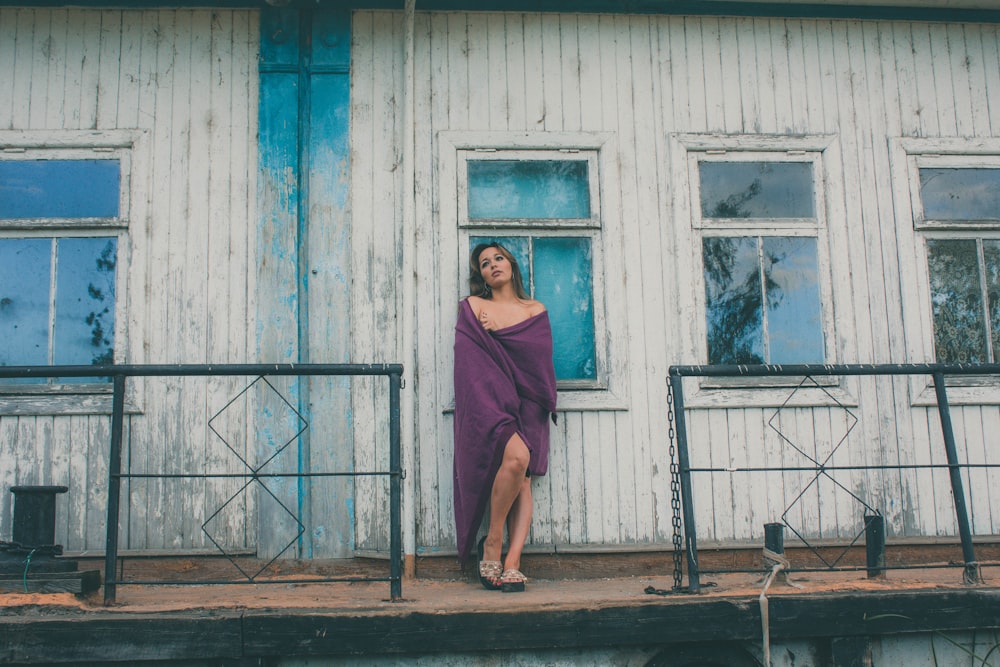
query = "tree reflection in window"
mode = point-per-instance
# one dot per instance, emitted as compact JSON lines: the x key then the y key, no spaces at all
{"x":767,"y":190}
{"x":67,"y":317}
{"x":953,"y":194}
{"x":761,"y":291}
{"x":762,"y":300}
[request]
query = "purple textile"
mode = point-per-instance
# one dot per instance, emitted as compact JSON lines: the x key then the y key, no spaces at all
{"x":505,"y":383}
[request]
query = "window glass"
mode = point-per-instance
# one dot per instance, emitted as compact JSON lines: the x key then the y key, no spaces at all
{"x":530,"y":189}
{"x":25,"y":266}
{"x":562,"y":270}
{"x":762,"y":300}
{"x":733,"y":300}
{"x":957,"y":299}
{"x":965,"y":193}
{"x":991,"y":260}
{"x":756,"y":189}
{"x":59,"y":189}
{"x":793,"y":300}
{"x":68,"y":320}
{"x":558,"y":272}
{"x":84,"y":301}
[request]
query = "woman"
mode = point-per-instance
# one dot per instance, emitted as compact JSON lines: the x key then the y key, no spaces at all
{"x":505,"y":393}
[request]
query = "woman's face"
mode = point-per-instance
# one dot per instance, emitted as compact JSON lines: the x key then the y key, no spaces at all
{"x":494,"y":266}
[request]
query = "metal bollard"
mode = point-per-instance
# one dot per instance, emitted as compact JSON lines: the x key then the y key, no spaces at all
{"x":774,"y":538}
{"x":875,"y":545}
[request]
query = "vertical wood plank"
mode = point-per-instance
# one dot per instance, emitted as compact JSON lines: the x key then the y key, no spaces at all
{"x":710,"y":57}
{"x":8,"y":51}
{"x":495,"y":59}
{"x":515,"y":71}
{"x":24,"y":57}
{"x":534,"y":79}
{"x":750,"y":89}
{"x":551,"y":48}
{"x":109,"y":70}
{"x":570,"y":87}
{"x":56,"y":75}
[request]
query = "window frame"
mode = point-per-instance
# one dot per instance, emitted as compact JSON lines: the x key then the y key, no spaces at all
{"x":608,"y":390}
{"x":128,"y":147}
{"x":907,"y":157}
{"x":820,"y":151}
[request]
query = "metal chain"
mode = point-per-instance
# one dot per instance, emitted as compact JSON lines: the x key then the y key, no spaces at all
{"x":675,"y":492}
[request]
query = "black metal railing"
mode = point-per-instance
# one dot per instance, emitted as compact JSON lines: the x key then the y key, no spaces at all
{"x":119,"y":374}
{"x":688,"y":544}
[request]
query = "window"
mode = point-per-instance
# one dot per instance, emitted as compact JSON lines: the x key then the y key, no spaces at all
{"x":760,"y":256}
{"x":764,"y":216}
{"x":57,"y":302}
{"x":550,"y":197}
{"x":62,"y":212}
{"x":961,"y":218}
{"x":947,"y":196}
{"x":544,"y":207}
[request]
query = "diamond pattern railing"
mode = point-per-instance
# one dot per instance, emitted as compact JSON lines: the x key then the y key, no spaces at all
{"x":821,"y":469}
{"x":253,"y":473}
{"x":257,"y":473}
{"x":815,"y":463}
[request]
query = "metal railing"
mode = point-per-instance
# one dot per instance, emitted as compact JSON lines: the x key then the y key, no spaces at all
{"x":679,"y":430}
{"x":120,"y":373}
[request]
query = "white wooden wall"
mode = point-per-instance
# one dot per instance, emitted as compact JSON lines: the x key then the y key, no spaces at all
{"x":645,"y":79}
{"x":187,"y":81}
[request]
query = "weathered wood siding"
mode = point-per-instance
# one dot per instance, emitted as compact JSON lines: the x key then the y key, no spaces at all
{"x":647,"y":80}
{"x":186,"y":82}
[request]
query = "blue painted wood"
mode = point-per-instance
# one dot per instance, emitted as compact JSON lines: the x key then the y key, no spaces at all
{"x":327,"y":284}
{"x":278,"y":303}
{"x":278,"y":188}
{"x":305,"y":231}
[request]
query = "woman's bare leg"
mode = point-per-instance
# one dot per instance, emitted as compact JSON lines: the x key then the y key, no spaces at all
{"x":518,"y":526}
{"x":506,"y":487}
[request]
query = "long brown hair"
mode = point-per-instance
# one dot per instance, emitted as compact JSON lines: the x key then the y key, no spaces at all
{"x":478,"y":286}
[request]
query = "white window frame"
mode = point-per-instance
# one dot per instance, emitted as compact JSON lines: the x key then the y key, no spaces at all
{"x":907,"y":156}
{"x":128,"y":147}
{"x":608,"y":392}
{"x":687,"y":151}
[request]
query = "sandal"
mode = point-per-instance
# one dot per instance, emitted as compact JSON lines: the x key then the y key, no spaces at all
{"x":512,"y":581}
{"x":489,"y":570}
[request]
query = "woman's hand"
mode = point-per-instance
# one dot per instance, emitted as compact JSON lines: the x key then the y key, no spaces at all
{"x":486,"y":321}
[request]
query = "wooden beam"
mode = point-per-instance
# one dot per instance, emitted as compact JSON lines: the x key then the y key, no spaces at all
{"x":79,"y":583}
{"x":89,"y":635}
{"x":129,"y":638}
{"x":680,"y":619}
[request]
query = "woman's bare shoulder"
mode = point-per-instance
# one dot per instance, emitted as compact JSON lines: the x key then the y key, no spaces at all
{"x":535,"y":307}
{"x":475,"y":302}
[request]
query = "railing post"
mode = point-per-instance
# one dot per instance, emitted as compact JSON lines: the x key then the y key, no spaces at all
{"x":114,"y":486}
{"x":875,"y":545}
{"x":683,"y":463}
{"x":395,"y":492}
{"x":972,"y":575}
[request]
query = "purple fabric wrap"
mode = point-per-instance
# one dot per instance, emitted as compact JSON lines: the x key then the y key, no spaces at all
{"x":505,"y":383}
